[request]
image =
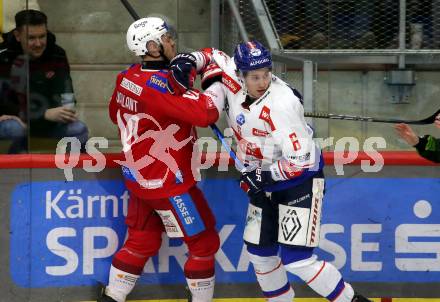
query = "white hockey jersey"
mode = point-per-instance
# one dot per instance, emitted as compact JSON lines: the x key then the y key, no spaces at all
{"x":272,"y":131}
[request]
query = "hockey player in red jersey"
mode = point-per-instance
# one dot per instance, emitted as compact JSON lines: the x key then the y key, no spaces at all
{"x":156,"y":111}
{"x":284,"y":178}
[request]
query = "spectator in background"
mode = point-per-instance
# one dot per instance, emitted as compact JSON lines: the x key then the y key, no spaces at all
{"x":420,"y":21}
{"x":10,"y":8}
{"x":300,"y":24}
{"x":427,"y":146}
{"x":318,"y":24}
{"x":350,"y":24}
{"x":31,"y":47}
{"x":12,"y":128}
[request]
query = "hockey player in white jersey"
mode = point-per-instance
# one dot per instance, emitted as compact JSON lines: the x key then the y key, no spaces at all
{"x":284,"y":181}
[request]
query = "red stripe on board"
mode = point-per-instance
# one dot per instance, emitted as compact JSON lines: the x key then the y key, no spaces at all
{"x":28,"y":161}
{"x":390,"y":158}
{"x":386,"y":300}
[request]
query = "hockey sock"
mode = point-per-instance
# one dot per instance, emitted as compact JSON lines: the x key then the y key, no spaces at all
{"x":199,"y":273}
{"x":202,"y":290}
{"x":120,"y":284}
{"x":346,"y":294}
{"x":272,"y":278}
{"x":323,"y":278}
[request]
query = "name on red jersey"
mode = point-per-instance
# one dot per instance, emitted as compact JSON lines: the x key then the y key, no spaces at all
{"x":126,"y":102}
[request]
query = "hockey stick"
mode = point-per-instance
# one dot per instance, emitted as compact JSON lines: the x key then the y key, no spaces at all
{"x":425,"y":121}
{"x":239,"y":165}
{"x":130,"y":9}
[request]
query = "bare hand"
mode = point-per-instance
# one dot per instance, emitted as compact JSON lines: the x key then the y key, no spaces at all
{"x":437,"y":121}
{"x":406,"y":132}
{"x":60,"y":115}
{"x":12,"y":117}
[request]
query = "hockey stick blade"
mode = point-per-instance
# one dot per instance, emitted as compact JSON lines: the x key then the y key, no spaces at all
{"x":425,"y":121}
{"x":130,"y":9}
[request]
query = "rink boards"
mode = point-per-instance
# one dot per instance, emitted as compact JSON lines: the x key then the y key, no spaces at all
{"x":380,"y":229}
{"x":297,"y":300}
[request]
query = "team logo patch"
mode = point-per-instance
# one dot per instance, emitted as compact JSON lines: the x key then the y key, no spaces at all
{"x":158,"y":83}
{"x":131,"y":86}
{"x":240,"y":119}
{"x":290,"y":225}
{"x":255,"y":52}
{"x":50,"y":74}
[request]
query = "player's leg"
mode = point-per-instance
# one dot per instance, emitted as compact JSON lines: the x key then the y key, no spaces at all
{"x":128,"y":263}
{"x":260,"y":236}
{"x":197,"y":224}
{"x":298,"y":234}
{"x":321,"y":276}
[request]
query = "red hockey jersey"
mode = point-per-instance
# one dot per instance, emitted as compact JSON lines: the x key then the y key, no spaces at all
{"x":157,"y":130}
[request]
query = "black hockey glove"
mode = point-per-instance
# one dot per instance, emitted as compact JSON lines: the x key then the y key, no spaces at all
{"x":254,"y":182}
{"x":182,"y":73}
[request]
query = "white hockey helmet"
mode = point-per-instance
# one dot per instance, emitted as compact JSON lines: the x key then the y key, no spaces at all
{"x":144,"y":30}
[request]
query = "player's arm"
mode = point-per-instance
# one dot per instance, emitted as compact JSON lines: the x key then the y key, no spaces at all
{"x":292,"y":133}
{"x":214,"y":65}
{"x":187,"y":104}
{"x":429,"y":148}
{"x":194,"y":107}
{"x":113,"y":108}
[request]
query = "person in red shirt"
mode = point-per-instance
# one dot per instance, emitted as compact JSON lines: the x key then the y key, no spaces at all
{"x":156,"y":111}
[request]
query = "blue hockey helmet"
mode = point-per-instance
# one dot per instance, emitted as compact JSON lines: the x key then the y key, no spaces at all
{"x":252,"y":55}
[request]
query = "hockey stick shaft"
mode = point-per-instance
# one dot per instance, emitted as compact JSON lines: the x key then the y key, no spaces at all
{"x":130,"y":9}
{"x":240,"y":166}
{"x":425,"y":121}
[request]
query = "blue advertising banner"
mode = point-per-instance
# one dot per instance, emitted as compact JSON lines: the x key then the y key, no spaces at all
{"x":374,"y":230}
